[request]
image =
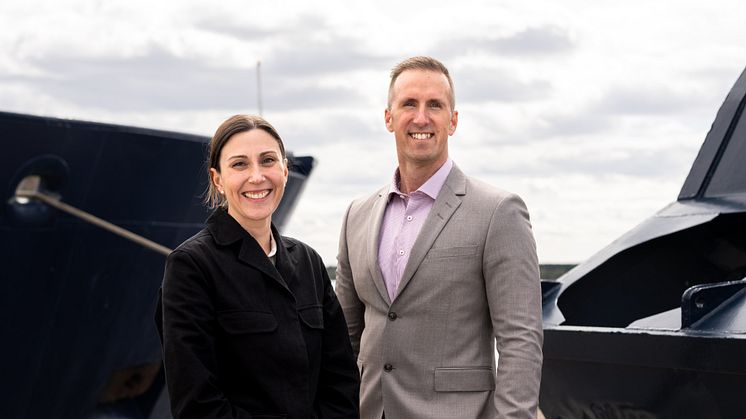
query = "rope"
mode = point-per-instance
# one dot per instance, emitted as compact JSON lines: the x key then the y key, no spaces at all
{"x":29,"y":188}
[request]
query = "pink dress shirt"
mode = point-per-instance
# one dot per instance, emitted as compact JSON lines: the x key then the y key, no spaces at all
{"x":402,"y":222}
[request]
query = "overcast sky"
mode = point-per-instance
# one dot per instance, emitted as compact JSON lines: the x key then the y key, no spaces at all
{"x":592,"y":111}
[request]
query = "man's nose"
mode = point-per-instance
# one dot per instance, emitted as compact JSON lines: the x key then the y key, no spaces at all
{"x":421,"y":117}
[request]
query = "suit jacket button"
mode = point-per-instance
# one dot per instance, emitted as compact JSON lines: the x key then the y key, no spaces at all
{"x":388,"y":367}
{"x":392,"y":315}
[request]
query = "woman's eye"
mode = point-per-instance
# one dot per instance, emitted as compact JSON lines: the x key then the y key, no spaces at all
{"x":238,"y":164}
{"x":268,"y":160}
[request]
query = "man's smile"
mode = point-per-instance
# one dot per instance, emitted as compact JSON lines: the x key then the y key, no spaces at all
{"x":421,"y":135}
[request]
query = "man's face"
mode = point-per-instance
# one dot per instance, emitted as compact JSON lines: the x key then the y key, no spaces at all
{"x":421,"y":118}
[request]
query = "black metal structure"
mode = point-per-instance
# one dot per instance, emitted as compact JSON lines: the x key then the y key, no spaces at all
{"x":654,"y":325}
{"x":77,"y":302}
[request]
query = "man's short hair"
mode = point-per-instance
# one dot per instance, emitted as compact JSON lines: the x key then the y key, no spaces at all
{"x":421,"y":62}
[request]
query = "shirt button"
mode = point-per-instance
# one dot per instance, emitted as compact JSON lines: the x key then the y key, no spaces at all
{"x":401,"y":252}
{"x":388,"y":367}
{"x":409,"y":218}
{"x":392,"y":315}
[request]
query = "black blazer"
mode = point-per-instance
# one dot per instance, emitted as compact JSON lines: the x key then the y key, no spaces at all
{"x":245,"y":339}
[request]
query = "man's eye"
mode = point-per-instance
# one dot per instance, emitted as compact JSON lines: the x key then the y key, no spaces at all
{"x":436,"y":105}
{"x":408,"y":104}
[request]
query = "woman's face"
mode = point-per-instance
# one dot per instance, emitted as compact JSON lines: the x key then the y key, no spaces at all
{"x":252,"y":177}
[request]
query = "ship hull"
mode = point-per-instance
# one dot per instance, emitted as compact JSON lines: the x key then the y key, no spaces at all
{"x":618,"y":373}
{"x":77,"y":302}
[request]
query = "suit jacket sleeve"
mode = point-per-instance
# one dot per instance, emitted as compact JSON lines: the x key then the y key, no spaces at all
{"x":339,"y":381}
{"x":513,"y":287}
{"x":351,"y":305}
{"x":188,"y":345}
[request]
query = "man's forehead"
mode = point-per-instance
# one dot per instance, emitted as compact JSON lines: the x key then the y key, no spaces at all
{"x":430,"y":76}
{"x":422,"y":82}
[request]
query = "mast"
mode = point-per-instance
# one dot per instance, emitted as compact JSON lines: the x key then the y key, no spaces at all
{"x":259,"y":86}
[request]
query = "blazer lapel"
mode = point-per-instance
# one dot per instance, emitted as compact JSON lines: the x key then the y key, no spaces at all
{"x":252,"y":254}
{"x":449,"y":199}
{"x":285,"y":260}
{"x":226,"y":231}
{"x":374,"y":229}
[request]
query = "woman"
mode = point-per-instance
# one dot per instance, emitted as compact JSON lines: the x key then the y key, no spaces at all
{"x":251,"y":325}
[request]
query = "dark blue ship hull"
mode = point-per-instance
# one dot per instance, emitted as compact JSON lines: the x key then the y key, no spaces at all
{"x":654,"y":325}
{"x":77,"y":302}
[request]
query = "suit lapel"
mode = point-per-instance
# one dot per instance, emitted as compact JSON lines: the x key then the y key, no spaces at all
{"x":449,"y":199}
{"x":374,"y":229}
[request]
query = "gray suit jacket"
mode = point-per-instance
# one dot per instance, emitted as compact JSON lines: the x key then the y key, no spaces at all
{"x":472,"y":280}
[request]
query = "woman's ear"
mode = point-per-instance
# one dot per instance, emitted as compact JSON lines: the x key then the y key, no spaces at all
{"x":216,"y":180}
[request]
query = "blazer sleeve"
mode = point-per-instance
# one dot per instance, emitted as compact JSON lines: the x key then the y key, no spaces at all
{"x":352,"y":307}
{"x":511,"y":274}
{"x":189,"y":353}
{"x":339,"y":381}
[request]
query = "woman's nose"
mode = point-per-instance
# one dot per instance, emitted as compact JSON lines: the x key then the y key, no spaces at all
{"x":256,"y":175}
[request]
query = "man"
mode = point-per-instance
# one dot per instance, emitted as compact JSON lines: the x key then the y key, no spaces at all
{"x":434,"y":269}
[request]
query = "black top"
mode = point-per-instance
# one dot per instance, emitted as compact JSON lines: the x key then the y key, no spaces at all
{"x":243,"y":338}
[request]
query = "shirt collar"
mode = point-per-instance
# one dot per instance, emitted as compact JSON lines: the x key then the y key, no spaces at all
{"x":431,"y":187}
{"x":272,"y":245}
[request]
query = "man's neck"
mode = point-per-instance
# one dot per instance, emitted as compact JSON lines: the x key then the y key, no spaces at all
{"x":412,"y":176}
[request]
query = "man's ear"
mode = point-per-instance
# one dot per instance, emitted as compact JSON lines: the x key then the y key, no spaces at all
{"x":387,"y":118}
{"x":453,"y":123}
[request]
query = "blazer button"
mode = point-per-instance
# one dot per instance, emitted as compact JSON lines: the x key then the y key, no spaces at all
{"x":392,"y":315}
{"x":388,"y":367}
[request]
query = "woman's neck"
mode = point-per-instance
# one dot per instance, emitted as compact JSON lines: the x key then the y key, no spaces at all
{"x":260,"y":230}
{"x":262,"y":236}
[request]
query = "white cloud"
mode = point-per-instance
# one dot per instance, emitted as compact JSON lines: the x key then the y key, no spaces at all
{"x":593,"y":111}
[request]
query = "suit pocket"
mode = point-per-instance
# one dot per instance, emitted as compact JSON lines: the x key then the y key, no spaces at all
{"x":245,"y":322}
{"x":312,"y":316}
{"x":450,"y":252}
{"x":464,"y":379}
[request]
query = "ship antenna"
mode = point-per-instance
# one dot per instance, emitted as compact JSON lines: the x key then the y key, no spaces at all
{"x":259,"y":86}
